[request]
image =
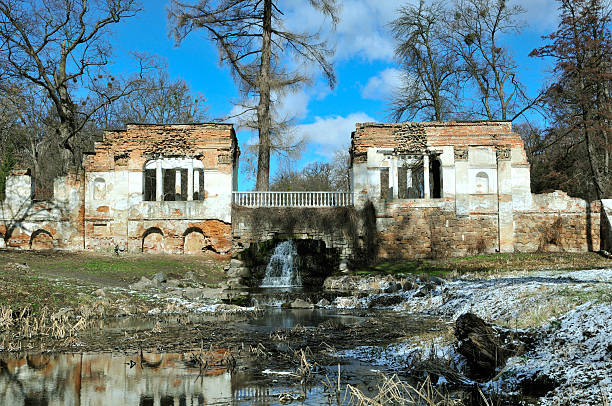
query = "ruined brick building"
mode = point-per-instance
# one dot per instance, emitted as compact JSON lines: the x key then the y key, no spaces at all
{"x":164,"y":188}
{"x":436,"y":188}
{"x":461,"y":188}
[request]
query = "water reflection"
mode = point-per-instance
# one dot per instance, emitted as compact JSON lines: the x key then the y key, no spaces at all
{"x":107,"y":379}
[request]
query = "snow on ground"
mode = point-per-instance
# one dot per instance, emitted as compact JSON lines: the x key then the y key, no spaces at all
{"x":576,"y":354}
{"x":572,"y":310}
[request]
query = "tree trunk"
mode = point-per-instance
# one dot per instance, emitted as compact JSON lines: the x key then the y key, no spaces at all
{"x":263,"y":109}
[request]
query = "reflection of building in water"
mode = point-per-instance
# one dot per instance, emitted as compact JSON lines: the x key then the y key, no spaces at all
{"x":104,"y":379}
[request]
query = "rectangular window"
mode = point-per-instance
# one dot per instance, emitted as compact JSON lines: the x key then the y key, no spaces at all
{"x":385,"y":190}
{"x":402,"y":182}
{"x":198,"y":184}
{"x":169,"y":176}
{"x":150,"y":185}
{"x":418,"y":177}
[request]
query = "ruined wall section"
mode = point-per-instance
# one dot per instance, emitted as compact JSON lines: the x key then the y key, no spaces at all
{"x":557,"y":222}
{"x":30,"y":224}
{"x":116,"y":212}
{"x":504,"y":216}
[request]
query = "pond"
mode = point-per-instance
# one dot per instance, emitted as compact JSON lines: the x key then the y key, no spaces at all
{"x":204,"y":376}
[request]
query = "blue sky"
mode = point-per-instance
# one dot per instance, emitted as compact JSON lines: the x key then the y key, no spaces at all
{"x":363,"y":61}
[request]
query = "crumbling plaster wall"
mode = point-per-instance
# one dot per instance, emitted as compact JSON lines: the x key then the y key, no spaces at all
{"x":103,"y":206}
{"x":466,"y":219}
{"x":119,"y":215}
{"x":26,"y":223}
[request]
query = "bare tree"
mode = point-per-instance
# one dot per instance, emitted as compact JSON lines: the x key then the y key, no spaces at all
{"x":254,"y":43}
{"x":580,"y":98}
{"x":477,"y":27}
{"x":60,"y":46}
{"x":160,"y":100}
{"x":424,"y":52}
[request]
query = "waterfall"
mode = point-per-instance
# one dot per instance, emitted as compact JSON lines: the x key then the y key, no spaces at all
{"x":282,"y":270}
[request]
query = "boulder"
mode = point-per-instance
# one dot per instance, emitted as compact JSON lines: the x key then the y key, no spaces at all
{"x":323,"y":303}
{"x":242,"y":272}
{"x":193,"y":293}
{"x":236,"y":263}
{"x":301,"y":304}
{"x":159,"y":277}
{"x":174,"y":283}
{"x":143,"y":284}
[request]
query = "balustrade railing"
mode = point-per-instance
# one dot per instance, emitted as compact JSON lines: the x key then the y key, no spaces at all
{"x":292,"y":199}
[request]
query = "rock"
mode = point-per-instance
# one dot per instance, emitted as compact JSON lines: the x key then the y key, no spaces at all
{"x":192,"y":293}
{"x":236,"y":263}
{"x":159,"y":277}
{"x":424,"y":290}
{"x":301,"y":304}
{"x":16,"y":267}
{"x":482,"y":346}
{"x":100,"y":293}
{"x":407,"y":285}
{"x":385,"y":301}
{"x":142,"y":284}
{"x":235,"y":283}
{"x":436,"y":281}
{"x":174,"y":283}
{"x":228,"y":308}
{"x":155,"y":310}
{"x":242,"y":272}
{"x":190,"y":276}
{"x":347,"y":302}
{"x":393,"y":287}
{"x":343,"y":267}
{"x":323,"y":303}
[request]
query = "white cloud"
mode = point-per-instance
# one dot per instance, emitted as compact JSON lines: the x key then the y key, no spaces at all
{"x":362,"y":31}
{"x":542,"y":16}
{"x":383,"y":85}
{"x":331,"y":133}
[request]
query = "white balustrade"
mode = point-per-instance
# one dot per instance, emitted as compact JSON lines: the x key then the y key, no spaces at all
{"x":292,"y":199}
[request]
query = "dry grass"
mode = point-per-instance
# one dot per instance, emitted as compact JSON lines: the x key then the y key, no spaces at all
{"x":393,"y":391}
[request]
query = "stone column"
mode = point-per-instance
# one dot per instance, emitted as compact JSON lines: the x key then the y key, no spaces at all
{"x":504,"y":200}
{"x":190,"y":180}
{"x":159,"y":182}
{"x":426,"y":190}
{"x":393,"y":178}
{"x":177,"y":182}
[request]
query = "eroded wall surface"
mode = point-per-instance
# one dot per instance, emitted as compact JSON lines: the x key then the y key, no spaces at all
{"x":484,"y":203}
{"x":107,"y":205}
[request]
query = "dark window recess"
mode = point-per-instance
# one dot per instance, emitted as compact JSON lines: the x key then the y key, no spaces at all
{"x":169,"y":176}
{"x":416,"y":191}
{"x":385,"y":191}
{"x":198,"y":192}
{"x":402,"y":182}
{"x":183,"y":195}
{"x":150,"y":185}
{"x":435,"y":176}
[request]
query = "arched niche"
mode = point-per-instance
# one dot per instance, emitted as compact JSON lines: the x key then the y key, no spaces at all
{"x":194,"y":241}
{"x":99,"y":189}
{"x":482,"y":183}
{"x":153,"y":240}
{"x":41,"y":240}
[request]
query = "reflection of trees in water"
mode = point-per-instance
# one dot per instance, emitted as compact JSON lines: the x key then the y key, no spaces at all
{"x":102,"y":379}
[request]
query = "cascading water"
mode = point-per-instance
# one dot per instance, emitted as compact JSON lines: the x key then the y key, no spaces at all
{"x":282,"y":270}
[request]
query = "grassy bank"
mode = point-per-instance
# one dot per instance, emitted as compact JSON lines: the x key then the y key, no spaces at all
{"x":56,"y":279}
{"x":491,"y":263}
